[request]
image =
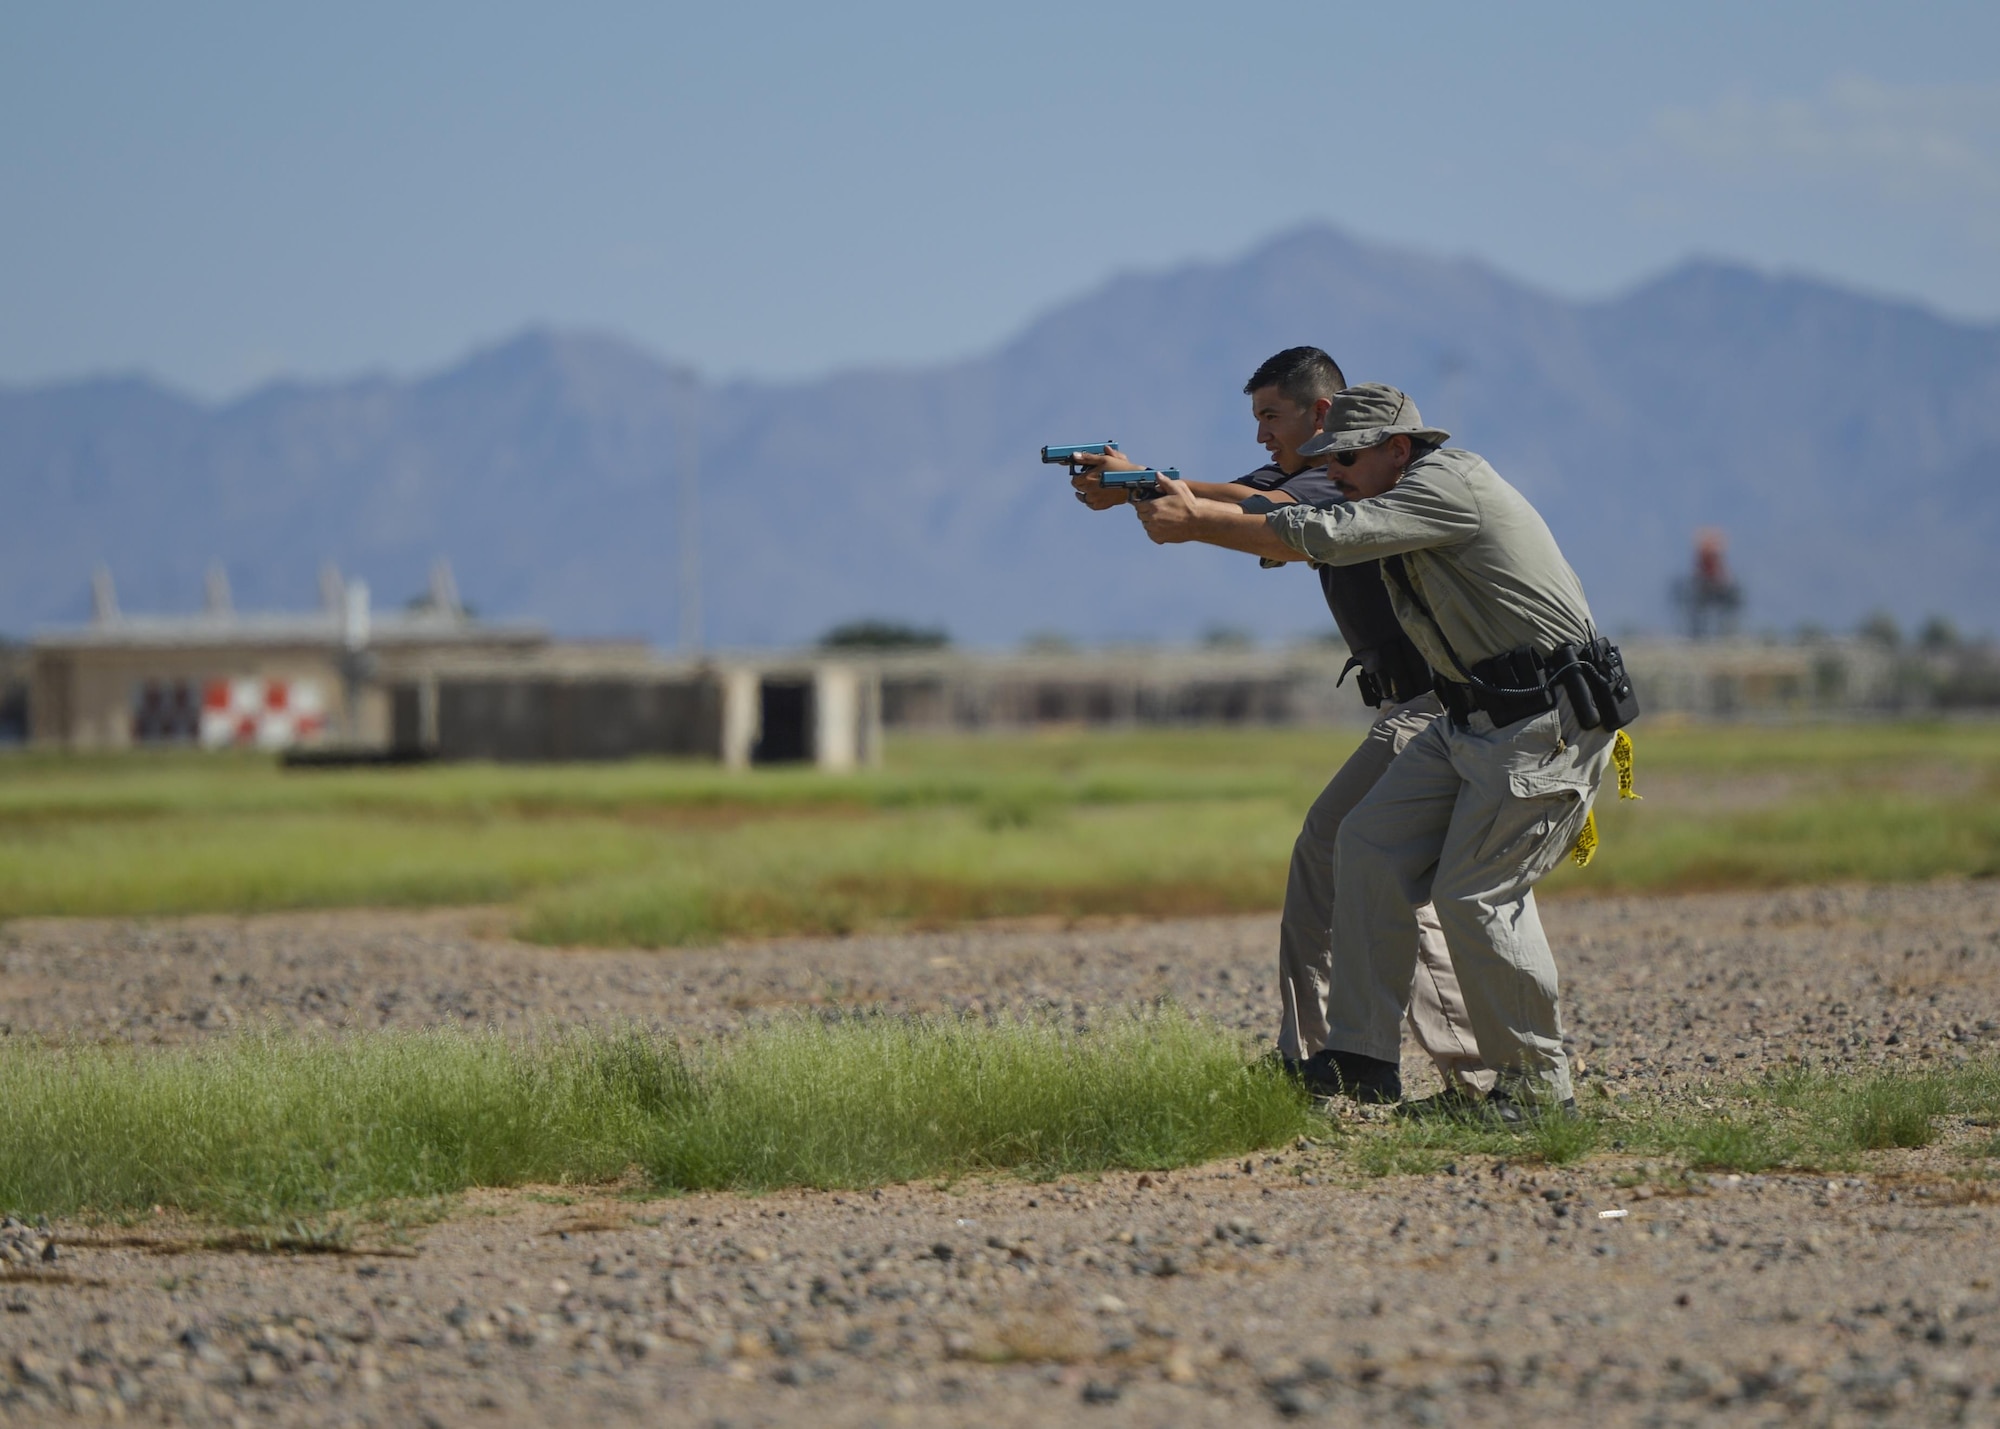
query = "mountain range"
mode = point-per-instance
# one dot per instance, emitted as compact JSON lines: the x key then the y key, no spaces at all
{"x":1846,"y":443}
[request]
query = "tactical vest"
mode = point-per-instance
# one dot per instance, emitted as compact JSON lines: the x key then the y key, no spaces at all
{"x":1391,"y":667}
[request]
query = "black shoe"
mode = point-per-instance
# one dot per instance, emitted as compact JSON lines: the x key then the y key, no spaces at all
{"x":1369,"y":1080}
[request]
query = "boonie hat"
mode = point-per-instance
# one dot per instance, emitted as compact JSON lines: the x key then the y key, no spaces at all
{"x":1369,"y":414}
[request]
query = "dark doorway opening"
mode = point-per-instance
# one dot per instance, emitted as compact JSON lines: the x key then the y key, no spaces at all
{"x":166,"y":712}
{"x":787,"y":710}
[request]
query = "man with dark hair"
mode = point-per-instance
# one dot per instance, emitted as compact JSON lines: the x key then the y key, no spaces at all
{"x":1303,"y":376}
{"x":1481,"y":805}
{"x":1290,"y":395}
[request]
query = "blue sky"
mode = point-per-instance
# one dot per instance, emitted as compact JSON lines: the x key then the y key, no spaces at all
{"x":223,"y":194}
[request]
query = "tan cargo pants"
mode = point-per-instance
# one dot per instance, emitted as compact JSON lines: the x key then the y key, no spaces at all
{"x":1305,"y":957}
{"x":1467,"y":819}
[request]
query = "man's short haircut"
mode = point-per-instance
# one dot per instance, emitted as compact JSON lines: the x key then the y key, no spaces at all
{"x":1302,"y":375}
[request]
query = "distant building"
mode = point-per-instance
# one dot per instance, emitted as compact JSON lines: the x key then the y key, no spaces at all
{"x":1676,"y":678}
{"x":432,"y":681}
{"x":429,"y":680}
{"x":224,"y":678}
{"x":1746,"y":679}
{"x":1211,"y":685}
{"x":13,"y":693}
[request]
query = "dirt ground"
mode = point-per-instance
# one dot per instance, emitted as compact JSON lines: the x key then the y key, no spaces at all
{"x":1278,"y":1288}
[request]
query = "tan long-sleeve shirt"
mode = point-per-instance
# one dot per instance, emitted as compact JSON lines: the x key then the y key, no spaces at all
{"x":1478,"y":554}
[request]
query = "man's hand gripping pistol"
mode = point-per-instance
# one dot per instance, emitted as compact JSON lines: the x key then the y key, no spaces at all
{"x":1140,"y":485}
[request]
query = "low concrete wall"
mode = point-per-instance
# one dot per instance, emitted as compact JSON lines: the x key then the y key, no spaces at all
{"x":826,"y":713}
{"x":523,"y":718}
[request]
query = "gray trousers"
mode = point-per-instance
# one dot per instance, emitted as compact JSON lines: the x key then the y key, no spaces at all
{"x":1305,"y":955}
{"x":1468,"y":820}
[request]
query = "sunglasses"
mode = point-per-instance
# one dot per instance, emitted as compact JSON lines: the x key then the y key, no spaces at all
{"x":1351,"y":455}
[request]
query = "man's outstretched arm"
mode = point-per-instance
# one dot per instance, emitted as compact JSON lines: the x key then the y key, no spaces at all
{"x":1090,"y":489}
{"x":1180,"y":515}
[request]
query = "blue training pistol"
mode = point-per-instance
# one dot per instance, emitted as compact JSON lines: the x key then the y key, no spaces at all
{"x":1144,"y":484}
{"x":1066,"y":456}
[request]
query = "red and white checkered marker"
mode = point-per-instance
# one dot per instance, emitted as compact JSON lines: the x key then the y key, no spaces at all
{"x":264,"y":714}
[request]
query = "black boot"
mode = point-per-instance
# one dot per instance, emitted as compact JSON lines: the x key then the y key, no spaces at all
{"x":1368,"y":1080}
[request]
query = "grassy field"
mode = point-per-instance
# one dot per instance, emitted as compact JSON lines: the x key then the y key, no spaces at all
{"x":298,"y":1135}
{"x":272,"y":1130}
{"x":1796,"y":1119}
{"x":1070,"y":824}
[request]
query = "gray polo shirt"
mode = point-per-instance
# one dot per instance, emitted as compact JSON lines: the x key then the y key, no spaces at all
{"x":1478,"y":554}
{"x":1312,"y":485}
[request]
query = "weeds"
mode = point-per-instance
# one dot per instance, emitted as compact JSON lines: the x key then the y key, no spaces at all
{"x":292,"y":1133}
{"x":1813,"y":1120}
{"x":1797,"y":1120}
{"x":1891,"y":1112}
{"x":299,"y":1136}
{"x":266,"y":1130}
{"x":1422,"y":1146}
{"x":1559,"y":1139}
{"x":1727,"y":1143}
{"x":1835,"y":1117}
{"x":889,"y":1099}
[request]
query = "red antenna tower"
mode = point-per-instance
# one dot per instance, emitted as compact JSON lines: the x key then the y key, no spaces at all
{"x":1709,"y":596}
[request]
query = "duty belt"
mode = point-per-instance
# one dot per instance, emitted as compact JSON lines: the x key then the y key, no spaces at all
{"x":1390,"y":674}
{"x":1502,"y":706}
{"x":1519,"y":684}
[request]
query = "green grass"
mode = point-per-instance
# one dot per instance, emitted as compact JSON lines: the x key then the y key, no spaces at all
{"x":888,"y":1100}
{"x":1726,"y":1143}
{"x":1797,"y":1121}
{"x":196,"y":863}
{"x":930,"y":868}
{"x":1869,"y":838}
{"x":1822,"y":1120}
{"x":279,"y":1129}
{"x":1887,"y":1113}
{"x":1151,"y":823}
{"x":1424,"y":1146}
{"x":309,"y":1133}
{"x":1062,"y":768}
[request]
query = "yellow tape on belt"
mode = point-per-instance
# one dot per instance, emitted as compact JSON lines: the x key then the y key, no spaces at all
{"x":1621,"y":759}
{"x":1585,"y":848}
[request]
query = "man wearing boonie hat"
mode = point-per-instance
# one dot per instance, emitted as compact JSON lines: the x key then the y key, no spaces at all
{"x":1477,"y":808}
{"x":1290,"y":394}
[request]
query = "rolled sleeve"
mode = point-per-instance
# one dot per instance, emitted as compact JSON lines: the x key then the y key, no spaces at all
{"x":1419,"y":512}
{"x":1293,"y":525}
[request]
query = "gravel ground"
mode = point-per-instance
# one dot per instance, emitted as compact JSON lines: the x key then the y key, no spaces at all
{"x":1277,"y":1288}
